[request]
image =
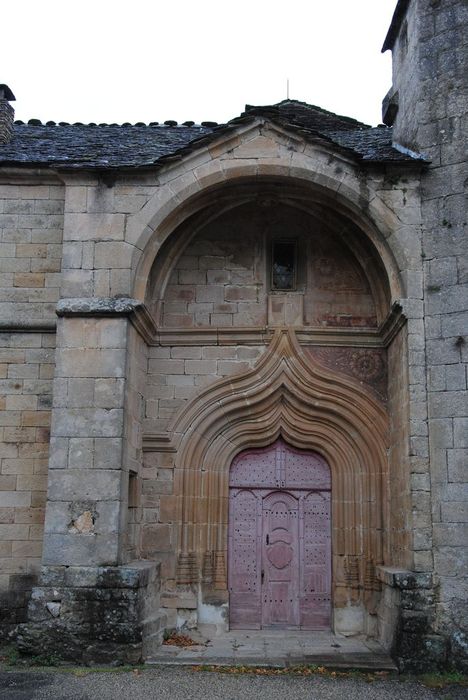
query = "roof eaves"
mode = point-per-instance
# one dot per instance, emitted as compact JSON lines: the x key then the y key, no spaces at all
{"x":395,"y":24}
{"x":403,"y":162}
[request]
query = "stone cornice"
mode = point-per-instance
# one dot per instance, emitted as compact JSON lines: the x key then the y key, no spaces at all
{"x":97,"y":306}
{"x":134,"y":309}
{"x":33,"y":326}
{"x":28,"y":175}
{"x":144,"y":323}
{"x":365,"y":337}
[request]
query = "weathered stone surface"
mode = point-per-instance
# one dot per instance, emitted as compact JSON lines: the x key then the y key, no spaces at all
{"x":97,"y":307}
{"x":95,"y":614}
{"x":185,"y":378}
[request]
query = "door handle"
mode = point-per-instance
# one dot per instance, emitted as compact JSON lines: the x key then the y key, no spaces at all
{"x":263,"y":575}
{"x":268,"y":539}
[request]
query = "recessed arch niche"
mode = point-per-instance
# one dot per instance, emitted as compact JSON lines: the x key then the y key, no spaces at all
{"x":265,"y":208}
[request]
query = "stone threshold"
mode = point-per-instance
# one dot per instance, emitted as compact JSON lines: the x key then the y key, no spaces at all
{"x":279,"y":649}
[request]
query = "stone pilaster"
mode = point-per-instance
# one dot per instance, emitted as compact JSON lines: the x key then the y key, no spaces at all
{"x":85,"y":468}
{"x":86,"y":601}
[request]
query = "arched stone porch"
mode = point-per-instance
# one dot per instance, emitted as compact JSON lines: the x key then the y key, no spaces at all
{"x":297,"y":380}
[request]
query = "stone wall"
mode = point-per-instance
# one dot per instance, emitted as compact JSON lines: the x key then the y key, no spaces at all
{"x":85,"y":479}
{"x":132,"y":514}
{"x":177,"y":374}
{"x":25,"y":401}
{"x":430,"y":61}
{"x":111,"y":391}
{"x":95,"y":614}
{"x":97,"y":256}
{"x":31,"y":225}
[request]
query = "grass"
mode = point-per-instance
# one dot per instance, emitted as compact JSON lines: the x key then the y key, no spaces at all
{"x":305,"y":670}
{"x":443,"y":679}
{"x":11,"y":658}
{"x":429,"y":680}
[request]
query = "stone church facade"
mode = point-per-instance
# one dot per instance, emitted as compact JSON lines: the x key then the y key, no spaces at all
{"x":233,"y":383}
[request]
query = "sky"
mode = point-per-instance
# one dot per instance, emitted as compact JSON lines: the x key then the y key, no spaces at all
{"x":145,"y":61}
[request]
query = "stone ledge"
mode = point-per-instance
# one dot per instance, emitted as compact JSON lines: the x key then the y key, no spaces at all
{"x":30,"y":326}
{"x":105,"y":307}
{"x":132,"y":575}
{"x":97,"y":306}
{"x":403,"y":579}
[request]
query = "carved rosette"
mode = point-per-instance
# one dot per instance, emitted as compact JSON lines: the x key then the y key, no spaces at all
{"x":367,"y":365}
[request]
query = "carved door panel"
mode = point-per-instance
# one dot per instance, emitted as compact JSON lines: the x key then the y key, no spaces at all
{"x":315,"y":599}
{"x":279,"y":558}
{"x":280,"y":561}
{"x":244,"y":573}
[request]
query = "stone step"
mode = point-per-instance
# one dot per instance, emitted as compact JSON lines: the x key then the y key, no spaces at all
{"x":336,"y":661}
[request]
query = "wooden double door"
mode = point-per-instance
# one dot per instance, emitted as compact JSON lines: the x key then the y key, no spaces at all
{"x":279,"y":559}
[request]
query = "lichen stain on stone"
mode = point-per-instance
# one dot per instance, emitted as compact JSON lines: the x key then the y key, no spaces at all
{"x":83,"y":524}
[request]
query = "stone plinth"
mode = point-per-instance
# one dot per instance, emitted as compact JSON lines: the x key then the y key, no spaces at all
{"x":406,"y":615}
{"x":104,"y":614}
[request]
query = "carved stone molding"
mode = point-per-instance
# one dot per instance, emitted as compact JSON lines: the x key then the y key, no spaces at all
{"x":144,"y":323}
{"x":135,"y":310}
{"x":287,"y":393}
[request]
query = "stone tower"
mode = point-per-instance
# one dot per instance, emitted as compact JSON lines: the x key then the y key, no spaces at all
{"x":428,"y":108}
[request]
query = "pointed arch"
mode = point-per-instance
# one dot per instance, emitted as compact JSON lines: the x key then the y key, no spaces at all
{"x":286,"y":394}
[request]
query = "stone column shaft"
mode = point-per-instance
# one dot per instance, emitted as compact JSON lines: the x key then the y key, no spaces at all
{"x":83,"y":514}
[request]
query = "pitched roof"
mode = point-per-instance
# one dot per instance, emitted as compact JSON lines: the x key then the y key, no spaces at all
{"x":368,"y":144}
{"x":104,"y":146}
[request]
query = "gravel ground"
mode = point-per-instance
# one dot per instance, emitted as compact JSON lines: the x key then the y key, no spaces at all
{"x":181,"y":683}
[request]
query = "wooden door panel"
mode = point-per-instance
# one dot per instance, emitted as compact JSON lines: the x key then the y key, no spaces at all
{"x":315,"y":604}
{"x":244,"y":560}
{"x":280,"y":560}
{"x":279,"y":551}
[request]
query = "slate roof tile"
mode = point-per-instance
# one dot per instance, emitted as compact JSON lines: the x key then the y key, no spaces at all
{"x":129,"y":146}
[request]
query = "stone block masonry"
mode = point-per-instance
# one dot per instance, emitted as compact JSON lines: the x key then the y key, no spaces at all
{"x":431,"y":77}
{"x":174,"y":380}
{"x":175,"y":349}
{"x":95,"y":614}
{"x":31,"y":231}
{"x":26,"y":368}
{"x":87,"y":432}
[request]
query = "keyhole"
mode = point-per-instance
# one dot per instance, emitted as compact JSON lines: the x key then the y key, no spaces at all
{"x":268,"y":539}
